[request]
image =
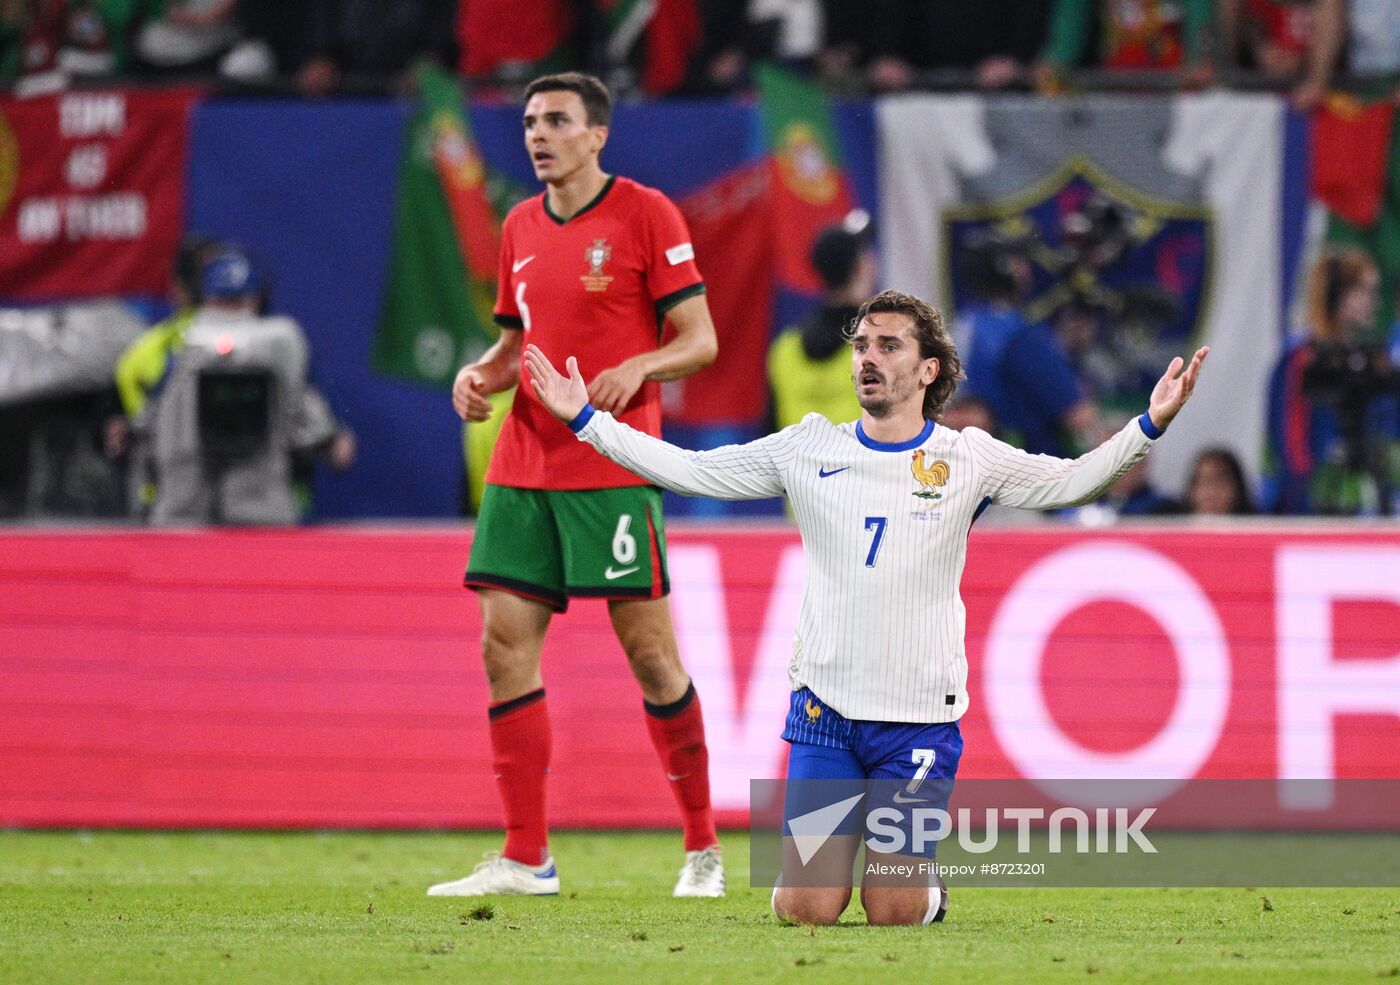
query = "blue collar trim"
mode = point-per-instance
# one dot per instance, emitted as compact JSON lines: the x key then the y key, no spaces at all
{"x":909,"y":445}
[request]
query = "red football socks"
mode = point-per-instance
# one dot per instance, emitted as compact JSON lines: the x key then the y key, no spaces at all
{"x":520,"y":746}
{"x":678,"y":733}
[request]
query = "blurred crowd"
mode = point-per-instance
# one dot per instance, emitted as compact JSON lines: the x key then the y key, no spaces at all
{"x":1333,"y":432}
{"x":661,"y":47}
{"x":1332,"y":444}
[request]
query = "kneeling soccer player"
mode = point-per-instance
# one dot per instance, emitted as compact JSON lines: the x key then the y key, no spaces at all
{"x":884,"y":504}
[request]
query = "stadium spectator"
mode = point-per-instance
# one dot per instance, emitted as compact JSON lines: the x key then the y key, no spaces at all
{"x":1304,"y":41}
{"x":878,"y":671}
{"x":234,"y":406}
{"x":1134,"y":496}
{"x":994,"y":39}
{"x":966,"y":411}
{"x":277,"y":39}
{"x":369,"y":41}
{"x":796,"y":33}
{"x":1271,"y":36}
{"x":1314,"y":38}
{"x":512,"y":42}
{"x":56,"y":38}
{"x":1332,"y":410}
{"x":592,"y":264}
{"x":809,"y":366}
{"x":1218,"y":486}
{"x":189,"y":35}
{"x":1140,"y":35}
{"x":1019,"y":368}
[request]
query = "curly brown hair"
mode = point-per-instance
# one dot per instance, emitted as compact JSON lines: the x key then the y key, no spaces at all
{"x":934,"y":343}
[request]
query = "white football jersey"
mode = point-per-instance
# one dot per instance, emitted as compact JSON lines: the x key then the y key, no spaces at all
{"x":884,"y":528}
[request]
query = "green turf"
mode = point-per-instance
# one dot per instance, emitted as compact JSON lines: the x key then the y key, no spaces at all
{"x":251,"y":908}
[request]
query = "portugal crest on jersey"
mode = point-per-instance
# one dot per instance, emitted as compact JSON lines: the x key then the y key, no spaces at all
{"x":596,"y":255}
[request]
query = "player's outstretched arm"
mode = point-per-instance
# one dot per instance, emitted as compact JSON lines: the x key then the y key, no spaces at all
{"x":1043,"y":482}
{"x":747,"y":471}
{"x":1174,"y":389}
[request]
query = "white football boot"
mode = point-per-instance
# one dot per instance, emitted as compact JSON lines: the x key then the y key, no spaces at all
{"x":702,"y":874}
{"x":497,"y":876}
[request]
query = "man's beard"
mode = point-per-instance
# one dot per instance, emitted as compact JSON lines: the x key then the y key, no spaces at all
{"x":878,"y":407}
{"x":882,"y":405}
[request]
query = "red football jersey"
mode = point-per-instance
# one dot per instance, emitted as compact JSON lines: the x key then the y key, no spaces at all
{"x":595,"y":286}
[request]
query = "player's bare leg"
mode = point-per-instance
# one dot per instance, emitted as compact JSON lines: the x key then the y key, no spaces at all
{"x":677,"y":731}
{"x":513,"y":630}
{"x":819,"y":891}
{"x":900,"y":899}
{"x":512,"y":638}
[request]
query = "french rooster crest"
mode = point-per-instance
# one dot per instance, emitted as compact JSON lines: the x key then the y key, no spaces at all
{"x":930,"y":476}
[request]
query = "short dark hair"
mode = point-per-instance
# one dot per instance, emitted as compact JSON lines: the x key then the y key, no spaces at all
{"x":597,"y":101}
{"x":934,"y":343}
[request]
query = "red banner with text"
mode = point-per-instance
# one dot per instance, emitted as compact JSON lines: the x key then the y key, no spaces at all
{"x":92,"y":188}
{"x":328,"y":678}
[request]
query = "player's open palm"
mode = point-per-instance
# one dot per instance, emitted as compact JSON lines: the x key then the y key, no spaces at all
{"x":1174,"y":388}
{"x":563,"y":396}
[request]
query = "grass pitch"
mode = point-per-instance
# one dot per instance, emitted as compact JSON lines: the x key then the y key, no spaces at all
{"x":253,"y":908}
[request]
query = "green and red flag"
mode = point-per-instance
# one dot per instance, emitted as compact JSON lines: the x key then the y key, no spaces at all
{"x":447,"y":237}
{"x":1356,"y":177}
{"x":810,"y":189}
{"x":657,"y":38}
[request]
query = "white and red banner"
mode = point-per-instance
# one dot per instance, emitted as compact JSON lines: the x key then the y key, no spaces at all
{"x":324,"y":678}
{"x":92,"y":189}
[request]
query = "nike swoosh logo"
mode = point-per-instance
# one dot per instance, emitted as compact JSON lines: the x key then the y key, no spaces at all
{"x":519,"y":265}
{"x":899,"y":798}
{"x":823,"y":473}
{"x":610,"y":574}
{"x":673,"y":777}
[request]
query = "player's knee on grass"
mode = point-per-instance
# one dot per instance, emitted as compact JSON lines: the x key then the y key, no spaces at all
{"x":810,"y":906}
{"x":887,"y":906}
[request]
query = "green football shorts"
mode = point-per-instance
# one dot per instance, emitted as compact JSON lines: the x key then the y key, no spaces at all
{"x":550,"y":544}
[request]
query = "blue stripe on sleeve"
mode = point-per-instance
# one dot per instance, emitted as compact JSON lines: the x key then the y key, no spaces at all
{"x":1144,"y":422}
{"x":584,"y":416}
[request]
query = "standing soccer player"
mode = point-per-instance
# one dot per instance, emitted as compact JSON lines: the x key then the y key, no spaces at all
{"x":591,"y":267}
{"x":884,"y":504}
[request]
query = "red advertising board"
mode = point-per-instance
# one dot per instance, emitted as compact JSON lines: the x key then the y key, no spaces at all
{"x":323,"y":678}
{"x":92,"y":190}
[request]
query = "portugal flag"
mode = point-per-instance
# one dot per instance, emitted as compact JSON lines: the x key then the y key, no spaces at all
{"x":810,"y":189}
{"x":437,"y":309}
{"x":1356,"y":177}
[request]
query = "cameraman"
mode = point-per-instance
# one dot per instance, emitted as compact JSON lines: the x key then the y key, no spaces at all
{"x":1018,"y":367}
{"x":1332,"y":400}
{"x":235,"y":408}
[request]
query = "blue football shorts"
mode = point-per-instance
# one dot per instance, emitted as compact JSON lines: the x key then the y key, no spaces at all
{"x":899,"y":766}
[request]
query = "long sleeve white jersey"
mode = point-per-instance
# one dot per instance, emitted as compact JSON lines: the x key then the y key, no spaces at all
{"x":884,"y":529}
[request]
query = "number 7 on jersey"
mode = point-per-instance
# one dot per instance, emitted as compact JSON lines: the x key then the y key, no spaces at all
{"x":876,"y":523}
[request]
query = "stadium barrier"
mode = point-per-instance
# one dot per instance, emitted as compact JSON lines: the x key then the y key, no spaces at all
{"x":329,"y":677}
